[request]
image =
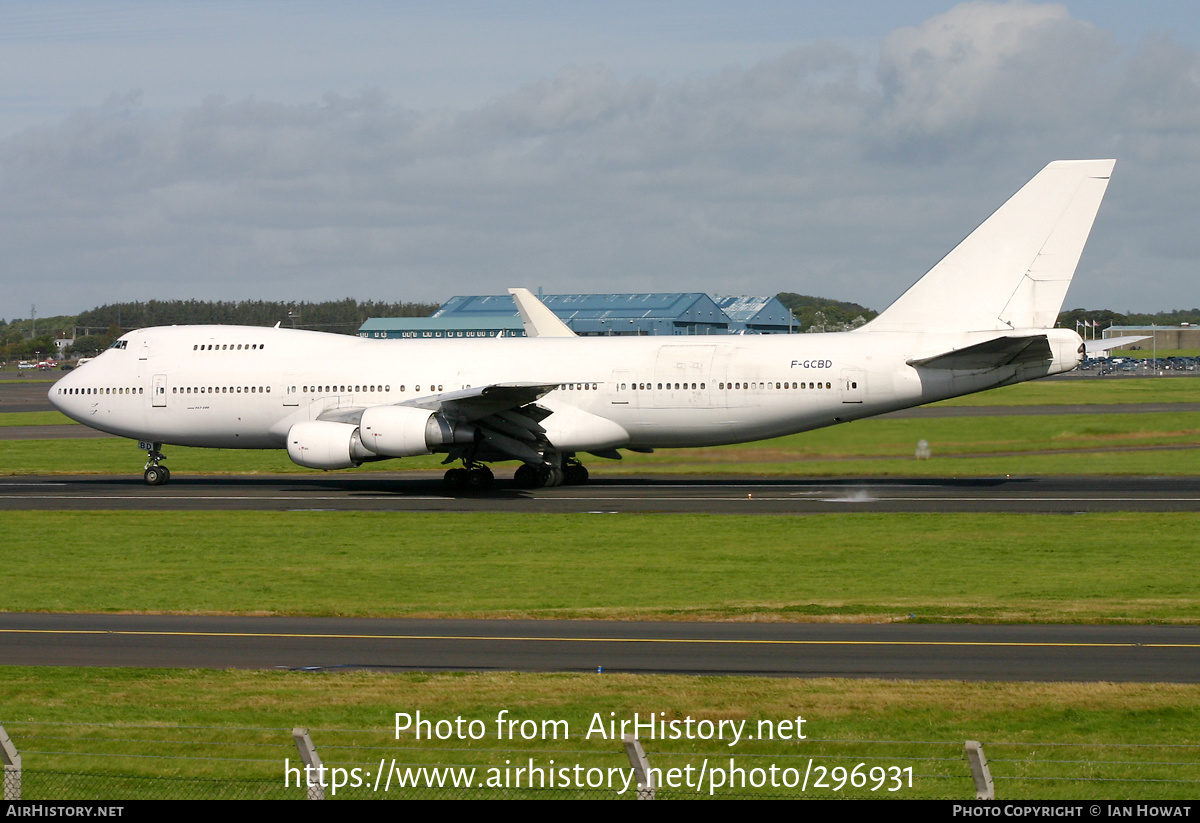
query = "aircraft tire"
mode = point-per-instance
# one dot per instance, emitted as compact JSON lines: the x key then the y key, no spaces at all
{"x":575,"y":475}
{"x":480,"y":479}
{"x":526,"y":477}
{"x":457,"y":480}
{"x":156,"y":476}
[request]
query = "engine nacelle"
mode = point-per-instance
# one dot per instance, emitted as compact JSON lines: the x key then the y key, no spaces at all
{"x":325,"y":445}
{"x":1068,"y":350}
{"x":404,"y":431}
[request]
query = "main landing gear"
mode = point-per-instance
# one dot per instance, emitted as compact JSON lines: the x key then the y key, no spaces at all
{"x":473,"y":478}
{"x":571,"y":473}
{"x":155,"y":473}
{"x":560,"y":471}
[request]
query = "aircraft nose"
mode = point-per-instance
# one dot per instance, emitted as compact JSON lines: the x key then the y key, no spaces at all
{"x":59,"y":395}
{"x":55,"y":393}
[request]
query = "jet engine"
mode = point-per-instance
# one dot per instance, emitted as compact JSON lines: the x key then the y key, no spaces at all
{"x":404,"y":431}
{"x":326,"y":445}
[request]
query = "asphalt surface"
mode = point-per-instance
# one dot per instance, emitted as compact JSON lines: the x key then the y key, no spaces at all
{"x":25,"y":394}
{"x":895,"y":651}
{"x":423,"y":492}
{"x":961,"y":652}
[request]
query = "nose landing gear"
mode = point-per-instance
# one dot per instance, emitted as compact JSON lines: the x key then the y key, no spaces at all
{"x":155,"y":474}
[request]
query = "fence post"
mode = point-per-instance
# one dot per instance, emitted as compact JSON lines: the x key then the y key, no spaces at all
{"x":12,"y":767}
{"x":314,"y":772}
{"x":641,"y":767}
{"x":984,"y":788}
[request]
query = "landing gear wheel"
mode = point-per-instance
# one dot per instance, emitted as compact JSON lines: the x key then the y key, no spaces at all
{"x":526,"y":477}
{"x":574,"y":474}
{"x":480,"y":479}
{"x":549,"y":476}
{"x":456,"y":480}
{"x":156,"y":476}
{"x":155,"y":473}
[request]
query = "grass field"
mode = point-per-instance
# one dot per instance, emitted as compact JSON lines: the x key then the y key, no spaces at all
{"x":1069,"y":741}
{"x":42,"y":418}
{"x":1159,"y":444}
{"x":1076,"y":391}
{"x":931,"y":567}
{"x":1046,"y":741}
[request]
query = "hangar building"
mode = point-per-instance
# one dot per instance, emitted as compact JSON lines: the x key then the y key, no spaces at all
{"x":595,"y":314}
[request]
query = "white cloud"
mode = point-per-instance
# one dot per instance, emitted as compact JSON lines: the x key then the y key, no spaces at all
{"x":816,"y":170}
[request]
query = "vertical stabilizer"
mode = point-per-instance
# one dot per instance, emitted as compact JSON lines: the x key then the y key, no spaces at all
{"x":1013,"y":271}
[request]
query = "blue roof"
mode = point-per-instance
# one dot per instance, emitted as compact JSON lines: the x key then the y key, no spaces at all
{"x":656,"y":313}
{"x":756,"y":312}
{"x":696,"y":306}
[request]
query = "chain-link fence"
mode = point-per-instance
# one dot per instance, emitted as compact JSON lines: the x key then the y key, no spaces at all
{"x":68,"y":761}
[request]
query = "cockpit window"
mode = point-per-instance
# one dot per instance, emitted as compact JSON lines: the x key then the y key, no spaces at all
{"x":120,"y":344}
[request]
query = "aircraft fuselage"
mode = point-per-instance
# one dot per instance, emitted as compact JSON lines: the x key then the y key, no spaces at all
{"x":245,"y":387}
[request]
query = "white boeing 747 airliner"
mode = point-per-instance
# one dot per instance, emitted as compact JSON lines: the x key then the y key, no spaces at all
{"x":981,"y":318}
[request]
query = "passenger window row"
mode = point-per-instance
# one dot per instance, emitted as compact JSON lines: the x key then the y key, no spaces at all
{"x":760,"y":386}
{"x":769,"y":385}
{"x":229,"y":346}
{"x":220,"y":390}
{"x":346,"y":388}
{"x":669,"y":386}
{"x":105,"y":390}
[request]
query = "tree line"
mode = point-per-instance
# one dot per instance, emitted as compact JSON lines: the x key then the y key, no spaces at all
{"x":95,"y":329}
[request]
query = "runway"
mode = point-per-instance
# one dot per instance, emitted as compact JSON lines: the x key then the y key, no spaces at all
{"x":423,"y":492}
{"x":896,"y":651}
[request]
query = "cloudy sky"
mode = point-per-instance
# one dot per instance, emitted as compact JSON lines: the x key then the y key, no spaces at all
{"x":416,"y":150}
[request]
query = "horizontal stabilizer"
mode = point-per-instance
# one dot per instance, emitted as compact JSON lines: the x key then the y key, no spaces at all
{"x":1110,"y":343}
{"x":991,"y":354}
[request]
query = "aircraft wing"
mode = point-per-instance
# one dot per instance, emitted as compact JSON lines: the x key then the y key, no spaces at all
{"x":991,"y":354}
{"x":503,"y":416}
{"x":476,"y":403}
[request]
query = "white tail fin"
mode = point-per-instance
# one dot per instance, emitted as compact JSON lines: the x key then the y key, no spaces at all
{"x":1013,"y":271}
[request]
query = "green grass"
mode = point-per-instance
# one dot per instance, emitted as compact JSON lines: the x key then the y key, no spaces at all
{"x":1102,"y":740}
{"x":934,"y":567}
{"x":961,"y":446}
{"x":1072,"y":392}
{"x":231,"y":729}
{"x":42,"y":418}
{"x":120,"y":456}
{"x":1132,"y":444}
